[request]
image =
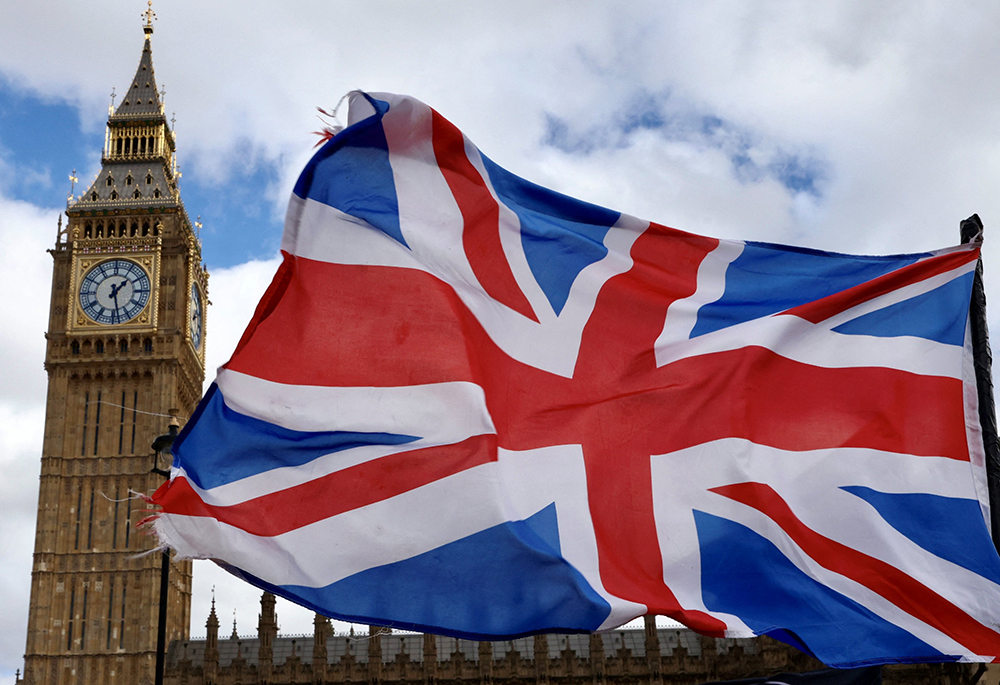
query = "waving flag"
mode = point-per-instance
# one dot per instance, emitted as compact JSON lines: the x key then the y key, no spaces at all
{"x":474,"y":406}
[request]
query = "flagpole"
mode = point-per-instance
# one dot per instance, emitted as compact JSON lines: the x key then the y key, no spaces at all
{"x":971,"y":231}
{"x":163,"y":444}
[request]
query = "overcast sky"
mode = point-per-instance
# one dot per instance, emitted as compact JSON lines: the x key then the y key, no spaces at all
{"x":853,"y":126}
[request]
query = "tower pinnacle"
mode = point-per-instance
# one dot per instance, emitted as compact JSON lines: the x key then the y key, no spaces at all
{"x":150,"y":16}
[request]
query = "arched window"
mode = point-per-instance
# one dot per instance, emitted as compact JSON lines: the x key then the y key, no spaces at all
{"x":122,"y":229}
{"x":114,"y":194}
{"x":99,"y":347}
{"x":142,"y":145}
{"x":145,"y":227}
{"x":136,"y":194}
{"x":100,"y":230}
{"x":110,"y":181}
{"x":156,"y":193}
{"x":88,"y":230}
{"x":147,"y":345}
{"x":128,"y":146}
{"x":123,"y":346}
{"x":149,"y":179}
{"x":128,"y":180}
{"x":74,"y":347}
{"x":133,"y":230}
{"x":118,"y":148}
{"x":93,"y":196}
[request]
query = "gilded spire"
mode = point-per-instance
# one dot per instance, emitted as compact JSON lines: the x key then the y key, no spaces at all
{"x":150,"y":16}
{"x":142,"y":99}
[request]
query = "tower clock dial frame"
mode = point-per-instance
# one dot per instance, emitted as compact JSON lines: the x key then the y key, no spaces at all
{"x":114,"y":290}
{"x":196,"y":318}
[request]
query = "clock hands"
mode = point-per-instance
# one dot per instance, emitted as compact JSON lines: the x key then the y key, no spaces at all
{"x":114,"y":296}
{"x":115,"y":289}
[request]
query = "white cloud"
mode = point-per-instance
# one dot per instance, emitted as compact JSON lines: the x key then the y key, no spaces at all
{"x":25,"y":273}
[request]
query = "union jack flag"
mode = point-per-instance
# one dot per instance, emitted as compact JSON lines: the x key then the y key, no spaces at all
{"x":477,"y":407}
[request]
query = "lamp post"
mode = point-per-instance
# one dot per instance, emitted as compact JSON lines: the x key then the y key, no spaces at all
{"x":163,"y":445}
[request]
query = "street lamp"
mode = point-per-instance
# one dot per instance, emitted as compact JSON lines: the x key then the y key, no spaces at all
{"x":163,"y":445}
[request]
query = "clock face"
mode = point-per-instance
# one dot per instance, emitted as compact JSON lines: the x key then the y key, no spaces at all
{"x":114,"y":291}
{"x":197,"y":320}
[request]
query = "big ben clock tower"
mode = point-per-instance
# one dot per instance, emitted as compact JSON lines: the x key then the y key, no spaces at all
{"x":125,"y":350}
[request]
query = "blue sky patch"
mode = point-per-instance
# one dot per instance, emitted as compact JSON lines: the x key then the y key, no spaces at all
{"x":754,"y":157}
{"x":42,"y":140}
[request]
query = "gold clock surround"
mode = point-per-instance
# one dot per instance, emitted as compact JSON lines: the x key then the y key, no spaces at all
{"x":147,"y":256}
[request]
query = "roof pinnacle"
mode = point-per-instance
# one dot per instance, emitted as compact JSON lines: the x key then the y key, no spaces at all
{"x":150,"y":16}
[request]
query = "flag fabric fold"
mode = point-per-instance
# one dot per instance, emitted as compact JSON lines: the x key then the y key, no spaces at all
{"x":474,"y":406}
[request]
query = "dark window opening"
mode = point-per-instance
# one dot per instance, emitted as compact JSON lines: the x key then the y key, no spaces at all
{"x":97,"y":421}
{"x":86,"y":411}
{"x":72,"y":608}
{"x":74,"y":347}
{"x":135,"y":413}
{"x":121,"y":628}
{"x":123,"y":346}
{"x":128,"y":531}
{"x":114,"y":540}
{"x":111,"y":596}
{"x":79,"y":505}
{"x":121,"y":427}
{"x":90,"y":535}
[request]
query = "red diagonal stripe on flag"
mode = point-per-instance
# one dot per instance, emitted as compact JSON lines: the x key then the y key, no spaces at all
{"x":903,"y":590}
{"x":481,"y":215}
{"x":823,"y":309}
{"x":335,"y":493}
